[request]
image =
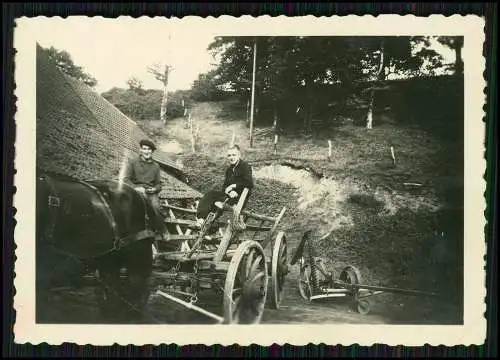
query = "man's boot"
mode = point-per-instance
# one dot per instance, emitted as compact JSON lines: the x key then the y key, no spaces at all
{"x":240,"y":223}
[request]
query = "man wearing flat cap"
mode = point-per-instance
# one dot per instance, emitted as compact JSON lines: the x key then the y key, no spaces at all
{"x":143,"y":173}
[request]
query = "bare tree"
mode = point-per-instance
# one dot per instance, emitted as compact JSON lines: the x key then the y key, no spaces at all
{"x":135,"y":85}
{"x":161,"y":73}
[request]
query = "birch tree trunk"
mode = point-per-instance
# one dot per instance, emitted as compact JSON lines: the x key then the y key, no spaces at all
{"x":163,"y":109}
{"x":369,"y":116}
{"x":162,"y":75}
{"x":380,"y":74}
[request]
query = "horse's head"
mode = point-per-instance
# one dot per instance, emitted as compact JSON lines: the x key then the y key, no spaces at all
{"x":128,"y":207}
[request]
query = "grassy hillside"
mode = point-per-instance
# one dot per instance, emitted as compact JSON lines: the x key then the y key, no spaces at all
{"x":360,"y":206}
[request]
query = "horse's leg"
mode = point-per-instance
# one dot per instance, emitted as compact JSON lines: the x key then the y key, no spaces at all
{"x":109,"y":291}
{"x":158,"y":218}
{"x":43,"y":276}
{"x":139,"y":269}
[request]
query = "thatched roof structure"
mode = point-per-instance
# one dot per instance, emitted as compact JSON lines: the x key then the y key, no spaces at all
{"x":81,"y":135}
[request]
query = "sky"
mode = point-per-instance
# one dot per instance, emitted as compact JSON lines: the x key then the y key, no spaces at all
{"x":114,"y":51}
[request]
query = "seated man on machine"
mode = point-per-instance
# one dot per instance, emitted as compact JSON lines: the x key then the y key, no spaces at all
{"x":238,"y":175}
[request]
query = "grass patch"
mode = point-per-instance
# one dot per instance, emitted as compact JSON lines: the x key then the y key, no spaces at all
{"x":365,"y":201}
{"x":400,"y":250}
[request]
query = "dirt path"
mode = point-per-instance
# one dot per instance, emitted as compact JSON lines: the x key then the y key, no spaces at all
{"x":294,"y":309}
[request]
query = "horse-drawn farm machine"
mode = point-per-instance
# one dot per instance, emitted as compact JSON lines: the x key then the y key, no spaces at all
{"x":317,"y":282}
{"x":233,"y":262}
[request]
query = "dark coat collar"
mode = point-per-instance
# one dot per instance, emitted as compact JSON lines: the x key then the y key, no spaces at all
{"x":145,"y":160}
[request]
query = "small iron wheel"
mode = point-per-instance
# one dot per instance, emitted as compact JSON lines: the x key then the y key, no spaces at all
{"x":363,"y":306}
{"x":246,"y":284}
{"x":305,"y":280}
{"x":350,"y":275}
{"x":279,"y":269}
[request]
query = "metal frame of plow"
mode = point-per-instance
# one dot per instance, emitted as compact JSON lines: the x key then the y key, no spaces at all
{"x":190,"y":305}
{"x":316,"y":282}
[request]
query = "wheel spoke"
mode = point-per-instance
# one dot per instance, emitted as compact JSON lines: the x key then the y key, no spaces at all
{"x":281,"y":278}
{"x":257,"y":276}
{"x":255,"y":265}
{"x":282,"y":258}
{"x":282,"y":267}
{"x":238,"y":293}
{"x":282,"y":251}
{"x":236,"y":303}
{"x":249,"y":263}
{"x":241,"y":275}
{"x":236,"y":309}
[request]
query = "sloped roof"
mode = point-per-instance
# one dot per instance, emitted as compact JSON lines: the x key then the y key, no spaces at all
{"x":80,"y":134}
{"x":116,"y":124}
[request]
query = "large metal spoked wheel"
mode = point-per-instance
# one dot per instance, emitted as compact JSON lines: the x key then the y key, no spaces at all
{"x":350,"y":275}
{"x":246,"y":283}
{"x":279,"y":269}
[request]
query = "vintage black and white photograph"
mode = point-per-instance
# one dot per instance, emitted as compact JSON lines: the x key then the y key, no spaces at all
{"x":228,"y":172}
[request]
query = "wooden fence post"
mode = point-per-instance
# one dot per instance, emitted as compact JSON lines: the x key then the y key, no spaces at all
{"x":233,"y":138}
{"x":393,"y":157}
{"x":186,"y":121}
{"x":194,"y":134}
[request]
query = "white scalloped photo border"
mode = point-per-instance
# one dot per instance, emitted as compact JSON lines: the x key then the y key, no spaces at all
{"x":472,"y":332}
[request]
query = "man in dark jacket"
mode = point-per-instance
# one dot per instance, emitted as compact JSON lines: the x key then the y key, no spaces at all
{"x":143,"y":173}
{"x":238,"y":175}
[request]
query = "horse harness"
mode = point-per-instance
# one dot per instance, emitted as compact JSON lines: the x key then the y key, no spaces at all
{"x":54,"y":203}
{"x":121,"y":242}
{"x":141,"y":235}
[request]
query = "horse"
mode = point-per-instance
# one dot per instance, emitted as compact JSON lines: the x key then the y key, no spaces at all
{"x":95,"y":227}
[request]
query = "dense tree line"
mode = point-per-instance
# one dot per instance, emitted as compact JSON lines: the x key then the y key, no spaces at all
{"x":207,"y":88}
{"x":298,"y":77}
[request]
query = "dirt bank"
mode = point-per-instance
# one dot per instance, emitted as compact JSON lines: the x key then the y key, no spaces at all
{"x":356,"y":202}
